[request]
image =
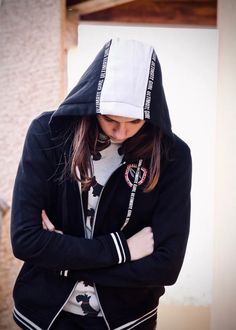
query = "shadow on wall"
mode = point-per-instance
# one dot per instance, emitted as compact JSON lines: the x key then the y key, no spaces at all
{"x":9,"y":268}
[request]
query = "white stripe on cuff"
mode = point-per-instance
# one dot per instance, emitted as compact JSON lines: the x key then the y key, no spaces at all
{"x":117,"y":247}
{"x":121,"y":247}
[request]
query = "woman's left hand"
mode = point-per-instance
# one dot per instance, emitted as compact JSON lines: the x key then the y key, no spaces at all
{"x":47,"y":224}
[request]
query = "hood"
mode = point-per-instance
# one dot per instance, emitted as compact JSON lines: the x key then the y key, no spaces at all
{"x":124,"y":80}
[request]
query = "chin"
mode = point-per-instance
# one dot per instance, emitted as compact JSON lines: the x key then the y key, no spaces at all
{"x":117,"y":141}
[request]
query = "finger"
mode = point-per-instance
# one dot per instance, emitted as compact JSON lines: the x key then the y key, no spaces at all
{"x":59,"y":231}
{"x":49,"y":226}
{"x":43,"y":223}
{"x":147,"y":229}
{"x":44,"y":226}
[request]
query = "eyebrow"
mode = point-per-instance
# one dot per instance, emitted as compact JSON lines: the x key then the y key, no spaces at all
{"x":119,"y":122}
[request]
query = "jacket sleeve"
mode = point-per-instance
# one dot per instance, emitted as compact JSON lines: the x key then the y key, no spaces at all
{"x":170,"y":224}
{"x":32,"y":194}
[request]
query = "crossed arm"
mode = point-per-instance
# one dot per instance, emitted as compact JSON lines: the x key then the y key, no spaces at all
{"x":156,"y":253}
{"x":140,"y":244}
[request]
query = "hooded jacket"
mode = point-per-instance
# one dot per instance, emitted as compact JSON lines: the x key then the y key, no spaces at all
{"x":124,"y":79}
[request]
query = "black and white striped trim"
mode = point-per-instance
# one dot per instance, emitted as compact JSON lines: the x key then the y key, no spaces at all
{"x":24,"y":320}
{"x":64,"y":273}
{"x":119,"y":247}
{"x":102,"y":75}
{"x":132,"y":195}
{"x":135,"y":323}
{"x":147,"y":101}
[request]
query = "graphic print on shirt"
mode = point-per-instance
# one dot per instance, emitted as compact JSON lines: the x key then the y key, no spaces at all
{"x":97,"y":187}
{"x":93,"y":195}
{"x":85,"y":305}
{"x":97,"y":156}
{"x":87,"y":301}
{"x":90,"y":214}
{"x":83,"y":300}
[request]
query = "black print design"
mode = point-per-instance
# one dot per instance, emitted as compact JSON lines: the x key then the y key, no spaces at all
{"x":86,"y":308}
{"x":90,"y":214}
{"x":97,"y":156}
{"x":87,"y":283}
{"x":97,"y":187}
{"x":120,"y":151}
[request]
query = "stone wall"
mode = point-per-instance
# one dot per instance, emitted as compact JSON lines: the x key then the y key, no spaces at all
{"x":31,"y":73}
{"x":9,"y":268}
{"x":32,"y":80}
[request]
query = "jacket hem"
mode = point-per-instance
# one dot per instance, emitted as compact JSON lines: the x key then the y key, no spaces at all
{"x":24,"y":320}
{"x":134,"y":323}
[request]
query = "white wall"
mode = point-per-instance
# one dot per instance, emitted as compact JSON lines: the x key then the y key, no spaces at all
{"x":224,"y":284}
{"x":189,"y":63}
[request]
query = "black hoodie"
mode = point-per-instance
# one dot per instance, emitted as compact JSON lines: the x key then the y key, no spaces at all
{"x":124,"y":79}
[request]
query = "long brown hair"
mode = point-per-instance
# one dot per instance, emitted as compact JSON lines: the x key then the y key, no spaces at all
{"x":146,"y":145}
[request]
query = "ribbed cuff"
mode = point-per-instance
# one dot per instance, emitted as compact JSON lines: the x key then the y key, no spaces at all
{"x":121,"y":246}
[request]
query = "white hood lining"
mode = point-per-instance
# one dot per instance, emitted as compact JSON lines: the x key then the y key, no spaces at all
{"x":124,"y":95}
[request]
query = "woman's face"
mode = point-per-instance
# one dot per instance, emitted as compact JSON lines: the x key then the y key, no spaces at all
{"x":119,"y":129}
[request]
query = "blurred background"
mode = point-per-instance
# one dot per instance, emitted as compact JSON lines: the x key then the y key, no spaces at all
{"x":46,"y":45}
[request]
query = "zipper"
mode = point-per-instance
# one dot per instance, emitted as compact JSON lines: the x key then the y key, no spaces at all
{"x":95,"y":216}
{"x":83,"y":216}
{"x":82,"y":208}
{"x":62,"y":306}
{"x":103,"y":314}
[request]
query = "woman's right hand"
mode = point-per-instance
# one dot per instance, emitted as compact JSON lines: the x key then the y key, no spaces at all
{"x":47,"y":224}
{"x":141,"y":244}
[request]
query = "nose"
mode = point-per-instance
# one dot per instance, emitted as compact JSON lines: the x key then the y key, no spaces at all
{"x":120,"y":131}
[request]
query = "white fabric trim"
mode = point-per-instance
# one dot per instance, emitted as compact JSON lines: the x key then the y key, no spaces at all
{"x":125,"y":95}
{"x":136,"y":324}
{"x":20,"y":316}
{"x":117,"y":247}
{"x":122,"y":248}
{"x":124,"y":326}
{"x":133,"y":194}
{"x":22,"y":322}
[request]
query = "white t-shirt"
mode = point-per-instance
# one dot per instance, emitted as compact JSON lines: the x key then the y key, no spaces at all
{"x":83,"y":300}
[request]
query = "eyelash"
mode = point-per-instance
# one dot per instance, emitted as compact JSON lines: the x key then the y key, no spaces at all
{"x":132,"y":122}
{"x":108,"y":119}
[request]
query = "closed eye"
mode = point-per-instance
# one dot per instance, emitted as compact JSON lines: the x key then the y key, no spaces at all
{"x":136,"y":121}
{"x":108,"y":119}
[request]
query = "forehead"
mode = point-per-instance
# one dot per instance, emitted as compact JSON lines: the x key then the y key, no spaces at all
{"x":120,"y":119}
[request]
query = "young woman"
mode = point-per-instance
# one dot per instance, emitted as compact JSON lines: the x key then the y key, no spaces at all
{"x":101,"y":203}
